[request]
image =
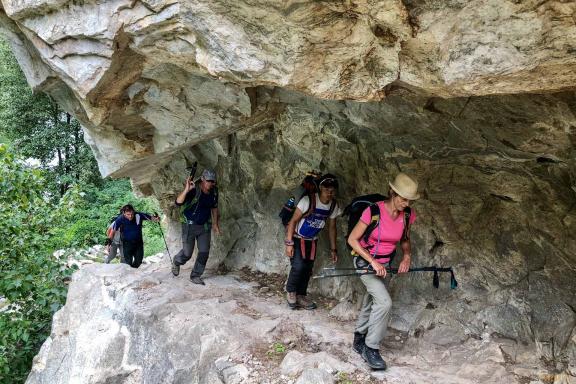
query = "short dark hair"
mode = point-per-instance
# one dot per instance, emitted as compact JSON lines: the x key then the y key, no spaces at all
{"x":127,"y":208}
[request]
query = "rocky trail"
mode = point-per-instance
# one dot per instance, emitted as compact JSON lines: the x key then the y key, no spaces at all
{"x":144,"y":326}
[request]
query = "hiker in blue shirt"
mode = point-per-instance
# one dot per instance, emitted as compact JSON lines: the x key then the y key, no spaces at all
{"x":199,"y":213}
{"x":129,"y":223}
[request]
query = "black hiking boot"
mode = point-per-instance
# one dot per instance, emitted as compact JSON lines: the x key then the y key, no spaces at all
{"x":359,"y":342}
{"x":304,"y":303}
{"x":175,"y":269}
{"x":291,"y":299}
{"x":197,"y":280}
{"x":373,"y":358}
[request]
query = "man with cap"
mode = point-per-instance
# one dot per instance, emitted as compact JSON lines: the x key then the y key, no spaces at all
{"x":199,"y":213}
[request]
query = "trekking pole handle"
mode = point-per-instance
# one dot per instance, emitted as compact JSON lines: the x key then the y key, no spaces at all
{"x":193,"y":170}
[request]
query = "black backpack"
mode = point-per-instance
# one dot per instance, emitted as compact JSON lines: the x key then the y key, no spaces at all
{"x":359,"y":204}
{"x":310,"y":188}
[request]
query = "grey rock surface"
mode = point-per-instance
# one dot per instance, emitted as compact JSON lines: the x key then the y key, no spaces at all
{"x":121,"y":325}
{"x":315,"y":376}
{"x":295,"y":363}
{"x":147,"y":79}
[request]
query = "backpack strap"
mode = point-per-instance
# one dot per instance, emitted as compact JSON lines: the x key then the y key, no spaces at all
{"x":311,"y":205}
{"x":406,"y":233}
{"x":187,"y":205}
{"x":374,"y":221}
{"x":332,"y":208}
{"x":197,"y":195}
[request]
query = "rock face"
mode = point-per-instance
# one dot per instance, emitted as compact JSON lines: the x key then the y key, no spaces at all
{"x":125,"y":326}
{"x":474,"y":99}
{"x":151,"y":77}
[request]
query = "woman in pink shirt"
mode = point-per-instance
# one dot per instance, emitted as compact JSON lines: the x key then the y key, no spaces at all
{"x":376,"y":253}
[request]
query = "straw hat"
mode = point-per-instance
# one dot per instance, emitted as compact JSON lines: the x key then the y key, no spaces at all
{"x":404,"y":186}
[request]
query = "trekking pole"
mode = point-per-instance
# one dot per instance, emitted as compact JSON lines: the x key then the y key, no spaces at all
{"x":193,"y":170}
{"x":164,"y":238}
{"x":370,"y":271}
{"x":360,"y":272}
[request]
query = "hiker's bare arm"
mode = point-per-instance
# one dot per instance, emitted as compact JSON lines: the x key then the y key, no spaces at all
{"x":406,"y":250}
{"x":354,"y":242}
{"x":216,"y":221}
{"x":332,"y":237}
{"x":290,"y":232}
{"x":188,"y":186}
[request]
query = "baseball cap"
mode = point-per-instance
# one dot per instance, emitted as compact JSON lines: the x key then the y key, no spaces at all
{"x":209,"y":175}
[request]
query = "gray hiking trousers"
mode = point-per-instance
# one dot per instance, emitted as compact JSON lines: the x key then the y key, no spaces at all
{"x":115,"y":248}
{"x":192,"y":233}
{"x":375,"y":312}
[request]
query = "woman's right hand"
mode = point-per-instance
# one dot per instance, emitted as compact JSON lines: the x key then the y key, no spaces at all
{"x":289,"y":250}
{"x":378,"y":268}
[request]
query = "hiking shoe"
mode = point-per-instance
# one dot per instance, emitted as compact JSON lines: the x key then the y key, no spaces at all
{"x":291,"y":299}
{"x":304,"y":303}
{"x":359,"y":342}
{"x":175,"y":269}
{"x":373,"y":358}
{"x":197,"y":280}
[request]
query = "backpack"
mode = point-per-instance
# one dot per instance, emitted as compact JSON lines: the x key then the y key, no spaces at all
{"x":359,"y":204}
{"x":310,"y":187}
{"x":109,"y":228}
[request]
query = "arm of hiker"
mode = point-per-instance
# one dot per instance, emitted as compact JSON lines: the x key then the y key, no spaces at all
{"x":354,"y":242}
{"x":111,"y":233}
{"x":288,"y":241}
{"x":147,"y":216}
{"x":216,"y":220}
{"x":188,"y":186}
{"x":332,"y":236}
{"x":405,"y":263}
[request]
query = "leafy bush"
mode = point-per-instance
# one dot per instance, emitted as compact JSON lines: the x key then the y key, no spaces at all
{"x":33,"y":284}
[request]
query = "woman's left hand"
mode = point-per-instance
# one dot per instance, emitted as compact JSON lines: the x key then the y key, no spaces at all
{"x":404,"y":265}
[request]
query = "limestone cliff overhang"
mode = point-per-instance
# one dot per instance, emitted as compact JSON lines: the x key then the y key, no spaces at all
{"x":147,"y":78}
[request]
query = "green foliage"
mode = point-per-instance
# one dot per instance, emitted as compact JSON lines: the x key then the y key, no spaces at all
{"x":33,"y":285}
{"x":343,"y":378}
{"x":276,"y":349}
{"x":39,"y":129}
